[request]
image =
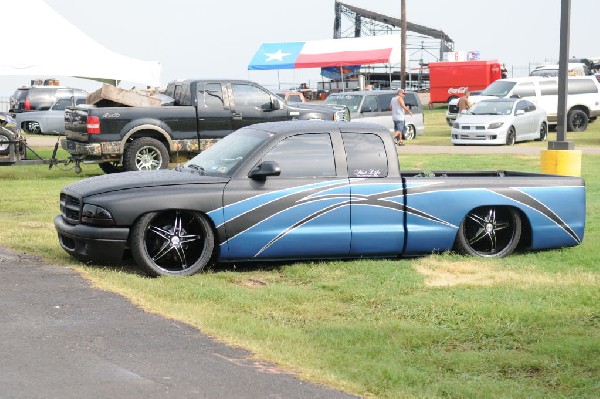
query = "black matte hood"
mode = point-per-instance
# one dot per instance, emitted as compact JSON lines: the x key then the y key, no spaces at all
{"x":131,"y":180}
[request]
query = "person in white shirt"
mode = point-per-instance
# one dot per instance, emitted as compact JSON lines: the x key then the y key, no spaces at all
{"x":399,"y":111}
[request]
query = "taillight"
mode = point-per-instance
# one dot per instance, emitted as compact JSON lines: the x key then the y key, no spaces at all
{"x":27,"y":105}
{"x":93,"y":125}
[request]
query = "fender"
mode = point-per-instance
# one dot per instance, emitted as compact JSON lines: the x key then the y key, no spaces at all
{"x":146,"y":126}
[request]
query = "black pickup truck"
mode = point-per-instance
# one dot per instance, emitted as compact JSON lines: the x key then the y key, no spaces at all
{"x":202,"y":112}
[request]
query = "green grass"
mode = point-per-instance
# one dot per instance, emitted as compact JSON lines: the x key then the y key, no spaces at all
{"x":437,"y":326}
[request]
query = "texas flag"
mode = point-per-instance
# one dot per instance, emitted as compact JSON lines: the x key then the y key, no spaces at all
{"x":327,"y":53}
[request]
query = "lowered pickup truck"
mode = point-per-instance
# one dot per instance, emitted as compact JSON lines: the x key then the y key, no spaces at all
{"x":301,"y":190}
{"x":203,"y":111}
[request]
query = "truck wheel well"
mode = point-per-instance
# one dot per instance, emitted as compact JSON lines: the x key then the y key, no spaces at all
{"x":581,"y":108}
{"x":149,"y":133}
{"x":526,"y":232}
{"x":32,"y":127}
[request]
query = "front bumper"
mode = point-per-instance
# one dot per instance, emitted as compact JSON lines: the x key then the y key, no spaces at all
{"x":92,"y":243}
{"x":480,"y":137}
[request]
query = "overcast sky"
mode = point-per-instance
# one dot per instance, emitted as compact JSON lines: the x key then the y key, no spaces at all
{"x":205,"y":39}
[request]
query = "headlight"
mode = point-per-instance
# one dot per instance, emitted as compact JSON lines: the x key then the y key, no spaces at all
{"x":455,"y":125}
{"x":495,"y":125}
{"x":94,"y":214}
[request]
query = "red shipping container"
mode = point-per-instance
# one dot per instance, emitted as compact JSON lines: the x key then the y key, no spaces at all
{"x":448,"y":80}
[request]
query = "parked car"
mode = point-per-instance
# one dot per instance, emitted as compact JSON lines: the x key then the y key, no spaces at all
{"x":51,"y":121}
{"x":311,"y":190}
{"x":500,"y":121}
{"x":40,"y":98}
{"x":573,"y":69}
{"x":583,"y":99}
{"x":374,"y":106}
{"x":203,"y":111}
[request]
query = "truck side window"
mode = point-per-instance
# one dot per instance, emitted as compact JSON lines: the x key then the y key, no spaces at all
{"x":304,"y":155}
{"x":582,"y":86}
{"x":212,"y":96}
{"x":365,"y":154}
{"x":250,"y":96}
{"x":549,"y":88}
{"x":524,"y":90}
{"x":384,"y":101}
{"x":369,"y":105}
{"x":62,"y":104}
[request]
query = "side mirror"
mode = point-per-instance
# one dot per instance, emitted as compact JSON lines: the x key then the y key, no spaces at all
{"x":366,"y":109}
{"x":520,"y":112}
{"x":44,"y":108}
{"x":275,"y":104}
{"x":267,"y":168}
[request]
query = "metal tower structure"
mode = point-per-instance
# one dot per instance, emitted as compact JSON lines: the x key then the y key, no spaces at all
{"x":423,"y":44}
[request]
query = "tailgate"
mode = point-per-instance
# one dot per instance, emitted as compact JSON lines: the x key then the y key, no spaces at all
{"x":76,"y":124}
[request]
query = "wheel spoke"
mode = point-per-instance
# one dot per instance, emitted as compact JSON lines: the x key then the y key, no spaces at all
{"x":165,"y":249}
{"x":477,"y":219}
{"x":160,"y":232}
{"x":478,"y":236}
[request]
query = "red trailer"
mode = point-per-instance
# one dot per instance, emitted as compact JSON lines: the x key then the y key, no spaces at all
{"x":448,"y":80}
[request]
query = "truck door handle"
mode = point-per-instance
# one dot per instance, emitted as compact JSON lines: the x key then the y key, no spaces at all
{"x":237,"y":116}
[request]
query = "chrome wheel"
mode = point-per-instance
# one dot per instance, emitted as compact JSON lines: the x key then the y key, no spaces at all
{"x":172,"y":243}
{"x":145,"y":154}
{"x":489,"y":232}
{"x":410,"y":132}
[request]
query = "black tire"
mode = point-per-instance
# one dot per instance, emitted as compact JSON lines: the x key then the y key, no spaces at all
{"x":146,"y":154}
{"x":511,"y":136}
{"x":411,"y":133}
{"x":5,"y":136}
{"x":490,"y":232}
{"x":172,"y":243}
{"x":577,"y":120}
{"x":543,"y":132}
{"x":111,"y":167}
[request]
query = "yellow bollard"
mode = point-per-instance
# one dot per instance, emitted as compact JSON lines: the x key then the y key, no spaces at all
{"x":561,"y":162}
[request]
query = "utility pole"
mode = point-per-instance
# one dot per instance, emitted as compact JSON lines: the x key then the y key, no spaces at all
{"x":561,"y":142}
{"x":403,"y":44}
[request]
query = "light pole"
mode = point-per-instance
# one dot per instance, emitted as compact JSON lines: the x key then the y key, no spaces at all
{"x":561,"y":157}
{"x":403,"y":44}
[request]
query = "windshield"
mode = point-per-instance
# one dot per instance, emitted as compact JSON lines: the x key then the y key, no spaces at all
{"x":225,"y":156}
{"x":544,"y":72}
{"x":492,"y":108}
{"x":352,"y":101}
{"x":499,"y":88}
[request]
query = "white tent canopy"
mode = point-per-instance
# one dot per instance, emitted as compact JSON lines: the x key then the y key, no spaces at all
{"x":51,"y":46}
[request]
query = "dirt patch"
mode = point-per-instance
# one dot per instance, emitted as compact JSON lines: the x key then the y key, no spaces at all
{"x":445,"y":273}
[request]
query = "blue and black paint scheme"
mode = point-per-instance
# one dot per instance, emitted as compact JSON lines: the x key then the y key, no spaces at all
{"x":412,"y":216}
{"x":347,"y":213}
